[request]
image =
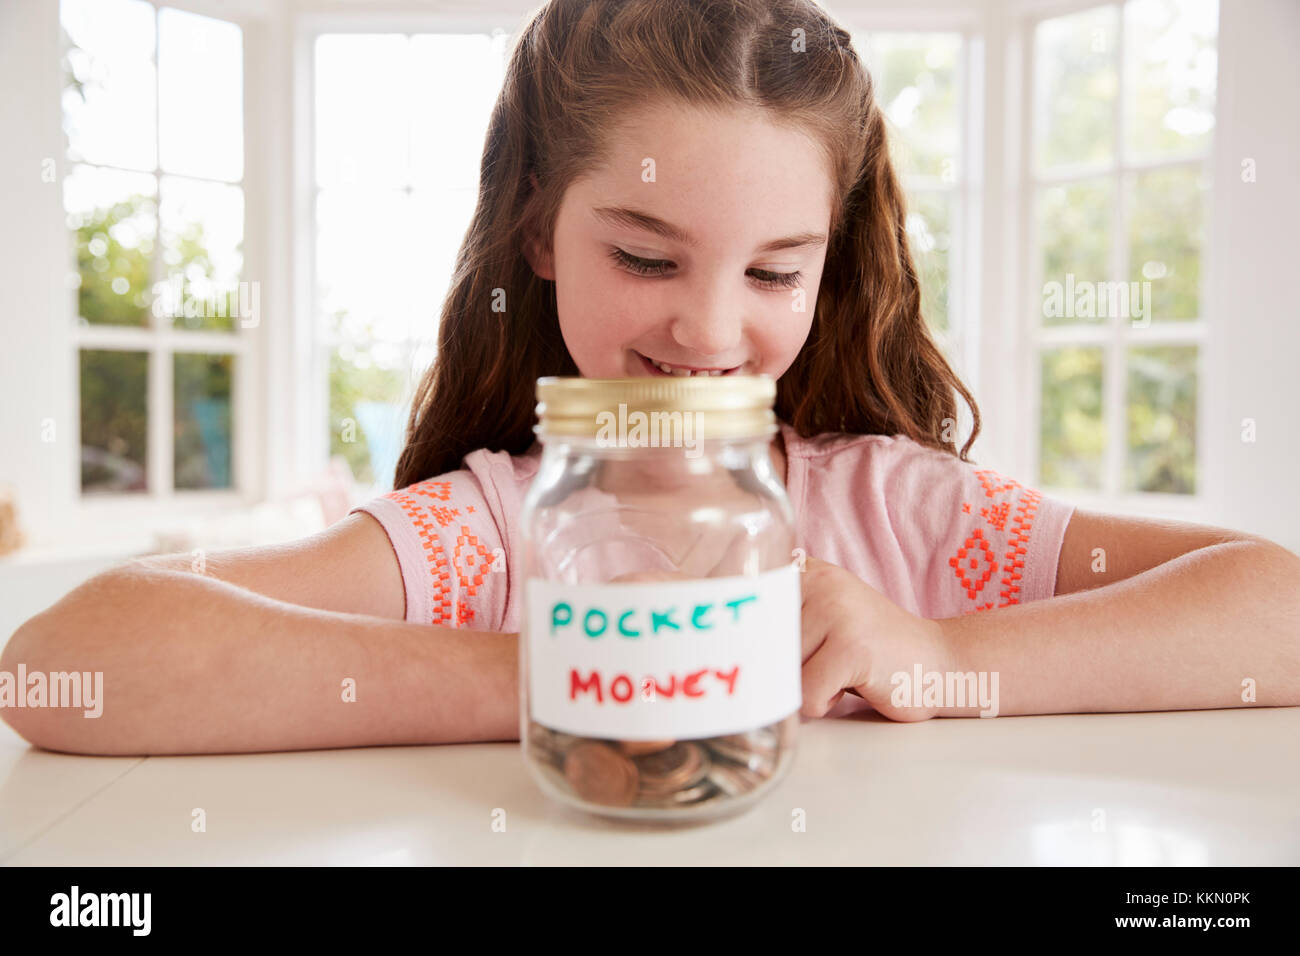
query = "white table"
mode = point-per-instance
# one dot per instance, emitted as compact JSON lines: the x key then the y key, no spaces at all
{"x":1196,"y":787}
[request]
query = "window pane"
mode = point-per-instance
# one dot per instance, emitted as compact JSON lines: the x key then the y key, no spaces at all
{"x":1075,"y":84}
{"x":1162,"y":419}
{"x":114,"y":430}
{"x":1166,"y":235}
{"x":363,"y":99}
{"x":202,"y":390}
{"x":929,"y":236}
{"x":367,"y":265}
{"x":1074,"y":234}
{"x":114,"y":219}
{"x":369,"y":391}
{"x":1171,"y":63}
{"x":201,"y":91}
{"x":1073,"y":429}
{"x":384,"y":255}
{"x":441,"y":220}
{"x":109,"y":90}
{"x":916,"y":85}
{"x":202,"y":237}
{"x":448,"y":131}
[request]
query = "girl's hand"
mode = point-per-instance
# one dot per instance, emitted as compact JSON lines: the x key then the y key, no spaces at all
{"x":855,"y":639}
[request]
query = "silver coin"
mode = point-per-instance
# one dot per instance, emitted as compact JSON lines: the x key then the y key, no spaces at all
{"x":564,"y":741}
{"x":762,"y":741}
{"x":757,"y":761}
{"x":764,"y":738}
{"x":701,"y":791}
{"x":545,"y":755}
{"x":734,"y":781}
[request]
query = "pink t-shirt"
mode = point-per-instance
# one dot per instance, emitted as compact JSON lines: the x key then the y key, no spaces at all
{"x":937,"y":536}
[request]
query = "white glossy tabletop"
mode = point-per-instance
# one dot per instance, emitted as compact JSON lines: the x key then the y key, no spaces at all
{"x":1195,"y":787}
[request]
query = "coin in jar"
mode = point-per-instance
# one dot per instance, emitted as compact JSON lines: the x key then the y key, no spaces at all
{"x":742,"y":755}
{"x":764,"y":740}
{"x":541,"y":751}
{"x":543,"y":744}
{"x":733,"y":780}
{"x":600,"y":774}
{"x":541,"y":736}
{"x":636,"y":748}
{"x":682,"y":765}
{"x":696,"y":794}
{"x":699,"y":793}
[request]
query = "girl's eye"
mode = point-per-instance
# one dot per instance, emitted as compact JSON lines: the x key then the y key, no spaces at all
{"x":779,"y":280}
{"x":635,"y":264}
{"x":659,"y":267}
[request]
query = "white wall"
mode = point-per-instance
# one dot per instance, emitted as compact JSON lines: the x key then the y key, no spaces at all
{"x":1255,"y":339}
{"x":35,"y":257}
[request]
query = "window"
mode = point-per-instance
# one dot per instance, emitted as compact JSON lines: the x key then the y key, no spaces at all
{"x":1121,"y":116}
{"x":400,"y":121}
{"x":153,"y":112}
{"x":916,"y":77}
{"x":922,"y":83}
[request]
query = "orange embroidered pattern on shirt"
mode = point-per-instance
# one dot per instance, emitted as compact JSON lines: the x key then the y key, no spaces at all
{"x":465,"y":563}
{"x":976,"y":549}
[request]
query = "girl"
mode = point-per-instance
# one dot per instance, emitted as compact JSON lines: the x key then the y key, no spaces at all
{"x":678,"y":188}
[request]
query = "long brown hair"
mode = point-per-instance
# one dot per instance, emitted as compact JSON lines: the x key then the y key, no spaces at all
{"x":869,"y":365}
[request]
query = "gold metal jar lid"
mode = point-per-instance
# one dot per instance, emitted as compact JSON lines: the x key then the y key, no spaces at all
{"x":720,"y":406}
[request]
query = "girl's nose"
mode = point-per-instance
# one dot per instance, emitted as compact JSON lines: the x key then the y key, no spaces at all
{"x":709,"y":326}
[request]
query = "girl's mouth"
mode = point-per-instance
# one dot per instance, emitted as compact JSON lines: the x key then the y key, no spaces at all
{"x":680,"y":371}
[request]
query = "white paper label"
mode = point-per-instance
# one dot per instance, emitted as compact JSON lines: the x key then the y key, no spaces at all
{"x":664,"y":659}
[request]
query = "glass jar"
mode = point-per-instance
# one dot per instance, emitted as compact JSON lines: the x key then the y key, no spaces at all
{"x":660,"y":659}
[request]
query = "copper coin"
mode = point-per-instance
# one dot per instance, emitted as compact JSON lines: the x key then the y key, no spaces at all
{"x":636,"y":748}
{"x":600,"y":774}
{"x":682,"y":765}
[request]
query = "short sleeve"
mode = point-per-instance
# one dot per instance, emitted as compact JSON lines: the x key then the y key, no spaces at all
{"x":974,"y":539}
{"x":450,"y":548}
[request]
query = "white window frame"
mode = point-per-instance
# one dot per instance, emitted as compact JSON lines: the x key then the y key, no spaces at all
{"x":134,"y":515}
{"x":1114,"y":337}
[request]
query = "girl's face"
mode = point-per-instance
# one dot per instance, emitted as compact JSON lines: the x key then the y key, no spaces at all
{"x":700,"y":246}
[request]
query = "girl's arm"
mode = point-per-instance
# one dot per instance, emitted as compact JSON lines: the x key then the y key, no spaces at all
{"x":252,"y":653}
{"x":1189,"y":617}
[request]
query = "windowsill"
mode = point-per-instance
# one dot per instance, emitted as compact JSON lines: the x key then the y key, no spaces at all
{"x":111,"y":534}
{"x":1185,"y":507}
{"x":73,"y":552}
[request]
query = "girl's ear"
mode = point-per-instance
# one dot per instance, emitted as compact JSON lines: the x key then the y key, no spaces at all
{"x":539,"y":258}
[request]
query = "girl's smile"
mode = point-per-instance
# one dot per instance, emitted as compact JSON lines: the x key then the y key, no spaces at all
{"x":651,"y":366}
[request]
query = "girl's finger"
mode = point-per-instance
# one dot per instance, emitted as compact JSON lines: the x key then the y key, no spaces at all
{"x":815,"y":614}
{"x":825,"y":675}
{"x":814,"y":624}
